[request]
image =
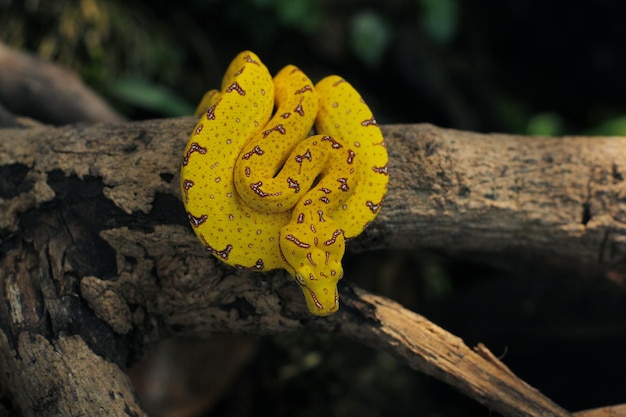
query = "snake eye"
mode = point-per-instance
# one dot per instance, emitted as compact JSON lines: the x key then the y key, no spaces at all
{"x":299,"y":279}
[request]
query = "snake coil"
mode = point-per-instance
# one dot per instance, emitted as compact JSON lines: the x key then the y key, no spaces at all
{"x":262,"y":194}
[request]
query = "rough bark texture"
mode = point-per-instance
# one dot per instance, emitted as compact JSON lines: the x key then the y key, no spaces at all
{"x":561,"y":199}
{"x":98,"y":263}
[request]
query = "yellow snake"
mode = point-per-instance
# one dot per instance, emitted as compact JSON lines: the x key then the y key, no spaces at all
{"x":262,"y":194}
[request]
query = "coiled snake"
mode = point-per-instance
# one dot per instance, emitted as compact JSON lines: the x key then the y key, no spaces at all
{"x":262,"y":194}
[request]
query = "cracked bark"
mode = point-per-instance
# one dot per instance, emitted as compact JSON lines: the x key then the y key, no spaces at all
{"x":98,"y":262}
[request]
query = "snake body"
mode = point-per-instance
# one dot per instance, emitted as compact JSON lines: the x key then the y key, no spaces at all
{"x":262,"y":194}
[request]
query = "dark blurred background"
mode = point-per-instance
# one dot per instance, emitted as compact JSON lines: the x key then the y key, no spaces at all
{"x":506,"y":65}
{"x":518,"y":66}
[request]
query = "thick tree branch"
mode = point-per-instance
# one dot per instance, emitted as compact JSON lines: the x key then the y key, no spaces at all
{"x":457,"y":191}
{"x":95,"y":244}
{"x":559,"y":200}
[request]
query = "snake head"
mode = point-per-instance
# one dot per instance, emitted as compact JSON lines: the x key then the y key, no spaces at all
{"x":320,"y":292}
{"x":314,"y":260}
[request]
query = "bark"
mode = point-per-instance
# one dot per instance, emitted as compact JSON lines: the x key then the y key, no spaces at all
{"x":98,"y":262}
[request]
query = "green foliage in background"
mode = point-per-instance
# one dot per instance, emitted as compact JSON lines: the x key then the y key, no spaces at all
{"x":303,"y":15}
{"x":370,"y":35}
{"x":130,"y":55}
{"x":144,"y":94}
{"x":149,"y":61}
{"x":440,"y":19}
{"x":614,"y":126}
{"x":545,"y":124}
{"x":105,"y":42}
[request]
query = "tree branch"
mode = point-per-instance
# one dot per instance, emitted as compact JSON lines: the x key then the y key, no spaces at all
{"x":95,"y":245}
{"x":557,"y":200}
